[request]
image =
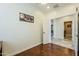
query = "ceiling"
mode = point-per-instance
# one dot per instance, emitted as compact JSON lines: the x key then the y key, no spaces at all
{"x":48,"y":7}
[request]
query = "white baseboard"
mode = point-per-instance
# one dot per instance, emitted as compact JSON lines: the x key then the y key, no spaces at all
{"x":63,"y":45}
{"x":13,"y":54}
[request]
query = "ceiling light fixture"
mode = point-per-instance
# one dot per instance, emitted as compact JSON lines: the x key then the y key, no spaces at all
{"x":48,"y":7}
{"x":43,"y":3}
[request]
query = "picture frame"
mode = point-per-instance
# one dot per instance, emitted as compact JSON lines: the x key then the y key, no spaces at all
{"x":26,"y":17}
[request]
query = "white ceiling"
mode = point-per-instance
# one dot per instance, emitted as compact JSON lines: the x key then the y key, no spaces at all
{"x":51,"y":6}
{"x":46,"y":8}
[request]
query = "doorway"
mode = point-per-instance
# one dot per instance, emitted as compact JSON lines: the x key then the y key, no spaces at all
{"x":68,"y":30}
{"x":61,"y":31}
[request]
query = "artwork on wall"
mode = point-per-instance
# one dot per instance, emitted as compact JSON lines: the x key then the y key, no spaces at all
{"x":26,"y":18}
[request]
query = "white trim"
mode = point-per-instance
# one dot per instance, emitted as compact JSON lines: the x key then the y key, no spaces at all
{"x":12,"y":54}
{"x":76,"y":51}
{"x":63,"y":45}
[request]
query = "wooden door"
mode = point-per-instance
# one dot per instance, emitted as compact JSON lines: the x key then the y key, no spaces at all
{"x":68,"y":30}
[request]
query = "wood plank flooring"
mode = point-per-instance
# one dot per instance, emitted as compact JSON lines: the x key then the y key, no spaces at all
{"x":48,"y":50}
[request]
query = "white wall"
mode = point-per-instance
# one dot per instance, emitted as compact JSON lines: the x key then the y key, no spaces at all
{"x":18,"y":36}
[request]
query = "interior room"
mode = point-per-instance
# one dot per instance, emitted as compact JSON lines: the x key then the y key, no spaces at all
{"x":37,"y":29}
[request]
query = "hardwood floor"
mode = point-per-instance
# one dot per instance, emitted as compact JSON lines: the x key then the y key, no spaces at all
{"x":48,"y":50}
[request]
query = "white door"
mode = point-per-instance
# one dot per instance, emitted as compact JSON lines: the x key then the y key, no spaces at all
{"x":46,"y":32}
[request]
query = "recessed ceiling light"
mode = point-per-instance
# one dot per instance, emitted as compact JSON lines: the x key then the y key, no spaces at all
{"x":48,"y":7}
{"x":43,"y":3}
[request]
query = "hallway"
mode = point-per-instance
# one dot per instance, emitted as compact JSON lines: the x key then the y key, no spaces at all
{"x":48,"y":50}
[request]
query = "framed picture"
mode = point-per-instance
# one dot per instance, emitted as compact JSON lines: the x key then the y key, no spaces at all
{"x":26,"y":18}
